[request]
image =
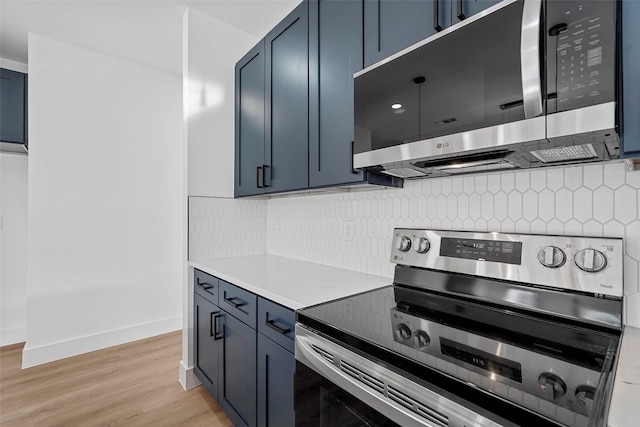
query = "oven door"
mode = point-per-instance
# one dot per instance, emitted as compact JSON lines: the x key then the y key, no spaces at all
{"x":321,"y":403}
{"x":335,"y":386}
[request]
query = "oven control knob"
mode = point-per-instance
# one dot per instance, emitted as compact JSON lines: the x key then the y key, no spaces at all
{"x":421,"y":339}
{"x":590,"y":260}
{"x":551,"y":257}
{"x":552,"y":386}
{"x":585,"y":395}
{"x":403,"y":243}
{"x":403,"y":332}
{"x":421,"y":245}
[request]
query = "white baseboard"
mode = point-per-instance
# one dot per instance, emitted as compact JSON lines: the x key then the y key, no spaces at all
{"x":187,"y":377}
{"x":13,"y":335}
{"x":33,"y":356}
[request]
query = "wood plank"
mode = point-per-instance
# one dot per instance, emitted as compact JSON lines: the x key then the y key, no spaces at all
{"x":134,"y":384}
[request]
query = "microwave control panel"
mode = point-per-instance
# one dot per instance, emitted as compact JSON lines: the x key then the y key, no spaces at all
{"x":581,"y":53}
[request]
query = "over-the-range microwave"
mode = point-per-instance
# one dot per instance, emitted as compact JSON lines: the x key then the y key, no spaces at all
{"x":524,"y":83}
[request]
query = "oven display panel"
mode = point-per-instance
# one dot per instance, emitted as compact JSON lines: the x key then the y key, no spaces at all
{"x":482,"y":250}
{"x":489,"y":362}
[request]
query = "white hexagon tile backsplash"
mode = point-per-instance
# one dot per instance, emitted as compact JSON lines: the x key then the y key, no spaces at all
{"x":585,"y":200}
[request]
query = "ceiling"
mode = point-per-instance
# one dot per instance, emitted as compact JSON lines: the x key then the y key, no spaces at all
{"x":148,"y":32}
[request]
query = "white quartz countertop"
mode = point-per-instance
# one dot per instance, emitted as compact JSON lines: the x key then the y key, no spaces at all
{"x":625,"y":400}
{"x":292,"y":283}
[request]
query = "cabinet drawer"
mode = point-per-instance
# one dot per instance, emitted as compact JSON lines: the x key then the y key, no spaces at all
{"x":206,"y":286}
{"x":239,"y":303}
{"x":277,"y":323}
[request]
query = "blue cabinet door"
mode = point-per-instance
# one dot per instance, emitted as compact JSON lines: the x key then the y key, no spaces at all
{"x":463,"y":9}
{"x":287,"y":103}
{"x":393,"y":25}
{"x":207,"y":343}
{"x":276,"y":368}
{"x":631,"y":78}
{"x":249,"y":126}
{"x":13,"y":106}
{"x":335,"y":54}
{"x":237,"y":395}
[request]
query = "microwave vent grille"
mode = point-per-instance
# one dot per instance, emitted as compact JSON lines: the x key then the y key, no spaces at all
{"x":565,"y":154}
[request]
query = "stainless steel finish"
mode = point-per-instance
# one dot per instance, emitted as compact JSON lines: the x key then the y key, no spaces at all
{"x":585,"y":395}
{"x":597,"y":311}
{"x":530,"y":58}
{"x":580,"y":135}
{"x":543,"y":376}
{"x":402,"y":332}
{"x":590,"y":260}
{"x":552,"y":386}
{"x":403,"y":243}
{"x":601,"y":117}
{"x":421,"y":339}
{"x":396,"y":397}
{"x":437,"y":35}
{"x":421,"y":245}
{"x":489,"y":138}
{"x":604,"y":388}
{"x":551,"y":257}
{"x":608,"y":281}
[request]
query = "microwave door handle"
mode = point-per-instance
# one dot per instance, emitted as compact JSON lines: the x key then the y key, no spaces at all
{"x":530,"y":58}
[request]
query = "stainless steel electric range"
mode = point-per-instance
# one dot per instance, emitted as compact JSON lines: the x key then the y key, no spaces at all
{"x":478,"y":329}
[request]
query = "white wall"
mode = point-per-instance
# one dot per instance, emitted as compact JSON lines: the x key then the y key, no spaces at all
{"x":105,"y":201}
{"x":13,"y":248}
{"x":210,"y":50}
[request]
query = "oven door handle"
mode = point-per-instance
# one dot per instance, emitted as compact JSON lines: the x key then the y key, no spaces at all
{"x":530,"y":58}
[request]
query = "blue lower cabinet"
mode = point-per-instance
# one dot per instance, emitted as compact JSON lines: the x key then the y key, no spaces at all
{"x":207,"y":343}
{"x":237,"y":394}
{"x":247,"y":368}
{"x":276,"y":367}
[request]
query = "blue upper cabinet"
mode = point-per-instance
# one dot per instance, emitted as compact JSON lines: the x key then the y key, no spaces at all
{"x":631,"y":78}
{"x":13,"y":107}
{"x":335,"y":54}
{"x":393,"y":25}
{"x":463,"y":9}
{"x":272,"y":110}
{"x":249,"y":113}
{"x":287,"y":103}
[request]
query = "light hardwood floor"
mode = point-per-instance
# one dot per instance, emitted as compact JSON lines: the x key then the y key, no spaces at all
{"x":134,"y":384}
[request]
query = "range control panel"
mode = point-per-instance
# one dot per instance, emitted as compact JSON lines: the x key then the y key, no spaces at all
{"x":588,"y":264}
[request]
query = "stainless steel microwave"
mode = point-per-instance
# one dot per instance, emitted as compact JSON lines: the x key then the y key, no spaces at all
{"x":525,"y":83}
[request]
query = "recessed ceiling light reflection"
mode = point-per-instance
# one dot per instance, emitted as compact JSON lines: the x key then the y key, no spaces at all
{"x":396,"y":106}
